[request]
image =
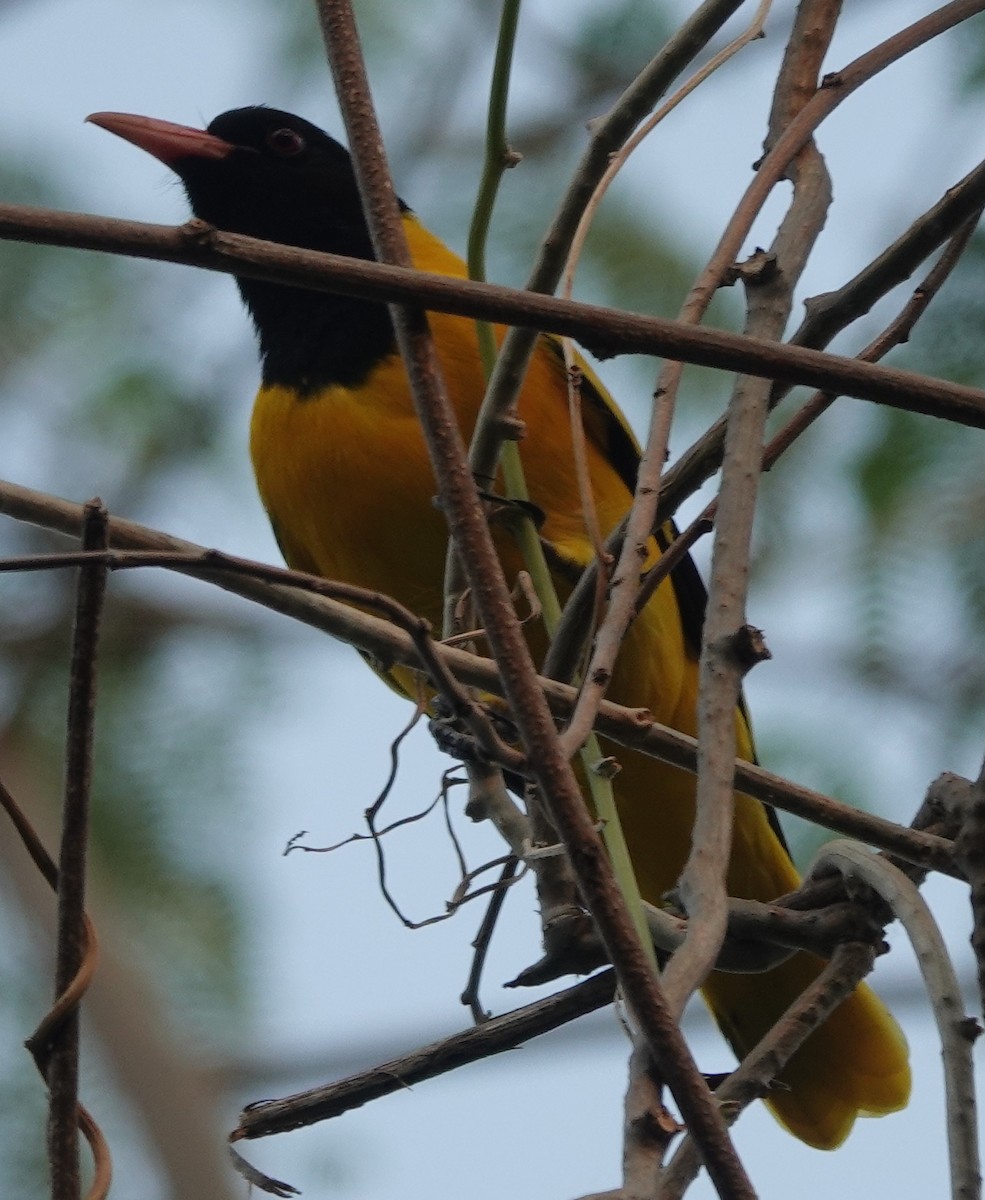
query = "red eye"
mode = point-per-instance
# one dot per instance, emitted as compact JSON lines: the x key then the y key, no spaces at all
{"x":285,"y":143}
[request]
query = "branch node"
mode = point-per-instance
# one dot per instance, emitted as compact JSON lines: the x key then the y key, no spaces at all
{"x":970,"y":1028}
{"x":748,"y":647}
{"x":198,"y":233}
{"x":512,"y":428}
{"x":606,"y":768}
{"x":759,"y":268}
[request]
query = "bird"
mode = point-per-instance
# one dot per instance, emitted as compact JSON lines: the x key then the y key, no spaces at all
{"x":343,"y":472}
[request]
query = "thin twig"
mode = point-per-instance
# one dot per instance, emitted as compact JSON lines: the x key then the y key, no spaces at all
{"x":40,"y":1040}
{"x":622,"y":575}
{"x":483,"y":937}
{"x":858,"y":296}
{"x":894,"y":334}
{"x":62,"y":1066}
{"x":481,"y":1041}
{"x":969,"y":851}
{"x":376,"y":835}
{"x":619,"y":158}
{"x":836,"y":87}
{"x":826,"y":316}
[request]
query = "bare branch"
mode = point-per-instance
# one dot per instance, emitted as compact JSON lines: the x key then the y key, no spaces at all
{"x":723,"y":664}
{"x":895,"y":333}
{"x":607,"y":331}
{"x":482,"y":1041}
{"x":952,"y":219}
{"x":829,"y":314}
{"x":60,"y":1044}
{"x":40,"y":1041}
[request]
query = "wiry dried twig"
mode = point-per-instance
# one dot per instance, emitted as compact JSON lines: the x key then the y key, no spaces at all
{"x":480,"y":946}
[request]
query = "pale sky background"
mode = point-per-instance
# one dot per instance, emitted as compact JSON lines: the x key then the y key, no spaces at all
{"x":333,"y":969}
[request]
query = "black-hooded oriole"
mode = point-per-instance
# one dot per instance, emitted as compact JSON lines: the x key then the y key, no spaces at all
{"x":344,"y":475}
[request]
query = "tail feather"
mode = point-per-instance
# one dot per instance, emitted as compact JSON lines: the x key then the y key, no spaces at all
{"x":856,"y":1064}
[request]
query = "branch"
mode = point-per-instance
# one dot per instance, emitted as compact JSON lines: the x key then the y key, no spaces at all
{"x":472,"y":1045}
{"x":957,"y":1031}
{"x":608,"y":136}
{"x":39,"y":1043}
{"x":468,"y":527}
{"x":627,"y":726}
{"x":952,"y":219}
{"x":725,"y":656}
{"x":640,"y":521}
{"x":829,"y":314}
{"x":752,"y":1078}
{"x":648,"y":1130}
{"x":607,"y":331}
{"x":835,"y":88}
{"x":60,"y":1044}
{"x":894,"y":334}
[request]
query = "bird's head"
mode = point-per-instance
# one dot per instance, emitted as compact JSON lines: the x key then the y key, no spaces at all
{"x":260,"y":172}
{"x":271,"y":175}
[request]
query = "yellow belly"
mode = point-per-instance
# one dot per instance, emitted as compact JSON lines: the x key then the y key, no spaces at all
{"x":345,"y":477}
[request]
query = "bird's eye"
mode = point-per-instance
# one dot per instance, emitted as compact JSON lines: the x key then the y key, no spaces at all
{"x":285,"y":143}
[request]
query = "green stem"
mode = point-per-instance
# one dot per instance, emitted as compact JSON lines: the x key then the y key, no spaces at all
{"x":498,"y":153}
{"x":498,"y":158}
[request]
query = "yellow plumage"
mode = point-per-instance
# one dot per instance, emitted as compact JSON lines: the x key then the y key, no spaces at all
{"x":345,"y":477}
